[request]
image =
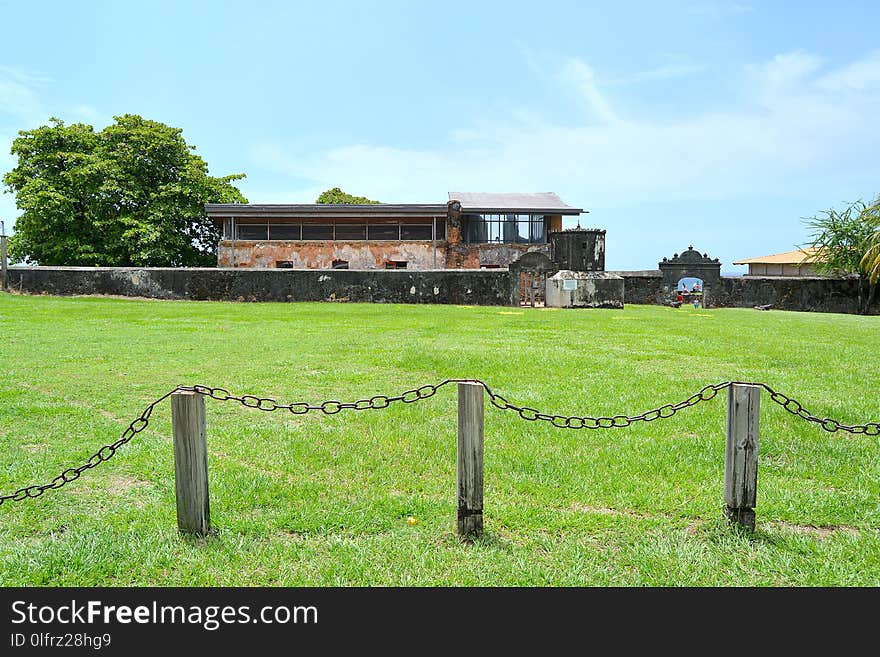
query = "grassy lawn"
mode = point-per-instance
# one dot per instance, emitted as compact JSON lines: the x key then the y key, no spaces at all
{"x":324,"y":500}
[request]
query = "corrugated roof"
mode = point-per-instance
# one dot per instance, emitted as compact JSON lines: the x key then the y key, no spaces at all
{"x":323,"y":210}
{"x":488,"y":201}
{"x":801,"y":256}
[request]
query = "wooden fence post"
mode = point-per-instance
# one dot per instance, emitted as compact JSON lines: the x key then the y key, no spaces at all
{"x":191,"y":462}
{"x":4,"y":274}
{"x":741,"y":454}
{"x":469,"y":476}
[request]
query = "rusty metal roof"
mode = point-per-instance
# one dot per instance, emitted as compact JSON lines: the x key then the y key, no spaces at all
{"x":547,"y":202}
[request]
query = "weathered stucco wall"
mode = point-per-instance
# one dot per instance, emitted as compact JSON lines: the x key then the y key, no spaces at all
{"x":312,"y":254}
{"x":315,"y":254}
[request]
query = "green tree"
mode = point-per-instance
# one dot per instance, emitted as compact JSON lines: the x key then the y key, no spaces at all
{"x":871,"y":261}
{"x":336,"y":195}
{"x":132,"y":194}
{"x":843,"y":240}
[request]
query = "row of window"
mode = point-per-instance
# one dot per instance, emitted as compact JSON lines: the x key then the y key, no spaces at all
{"x":343,"y":264}
{"x":504,"y":228}
{"x":386,"y":231}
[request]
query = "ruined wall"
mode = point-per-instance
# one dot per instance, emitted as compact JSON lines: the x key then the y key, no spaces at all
{"x":499,"y":255}
{"x":313,"y":254}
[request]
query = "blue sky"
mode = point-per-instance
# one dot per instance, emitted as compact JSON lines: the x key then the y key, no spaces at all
{"x":717,"y":124}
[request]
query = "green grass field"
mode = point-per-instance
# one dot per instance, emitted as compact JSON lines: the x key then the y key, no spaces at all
{"x":320,"y":500}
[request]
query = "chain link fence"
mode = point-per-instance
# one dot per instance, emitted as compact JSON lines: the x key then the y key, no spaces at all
{"x":376,"y":402}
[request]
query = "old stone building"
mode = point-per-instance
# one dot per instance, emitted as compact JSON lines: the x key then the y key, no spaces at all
{"x":469,"y":231}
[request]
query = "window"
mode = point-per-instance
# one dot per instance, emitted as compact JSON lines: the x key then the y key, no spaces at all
{"x":395,"y":264}
{"x":284,"y":264}
{"x":285,"y":231}
{"x":384,"y":231}
{"x":317,"y":232}
{"x":351,"y":232}
{"x":504,"y":228}
{"x":340,"y":264}
{"x":253,"y":232}
{"x":416,"y":231}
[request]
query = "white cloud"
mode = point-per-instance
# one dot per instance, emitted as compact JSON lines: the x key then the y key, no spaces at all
{"x":670,"y":66}
{"x":788,"y":134}
{"x":579,"y":75}
{"x":18,"y":94}
{"x":859,"y":76}
{"x":783,"y":77}
{"x":87,"y":113}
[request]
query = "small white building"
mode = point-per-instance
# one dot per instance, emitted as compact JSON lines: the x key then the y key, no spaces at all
{"x":790,"y":263}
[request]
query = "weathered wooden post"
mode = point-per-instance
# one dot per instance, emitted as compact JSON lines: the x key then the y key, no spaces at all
{"x":469,"y":476}
{"x":191,"y":462}
{"x":4,"y":274}
{"x":741,"y":454}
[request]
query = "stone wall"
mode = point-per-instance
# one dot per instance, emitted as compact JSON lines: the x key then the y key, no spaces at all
{"x":641,"y":287}
{"x":468,"y":287}
{"x":807,"y":294}
{"x":455,"y":286}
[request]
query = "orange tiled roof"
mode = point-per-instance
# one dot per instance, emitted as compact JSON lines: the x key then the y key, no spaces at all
{"x":799,"y":257}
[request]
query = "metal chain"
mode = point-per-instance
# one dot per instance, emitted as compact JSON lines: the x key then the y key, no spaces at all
{"x":102,"y":455}
{"x":830,"y":425}
{"x":331,"y":407}
{"x":668,"y":410}
{"x":606,"y":422}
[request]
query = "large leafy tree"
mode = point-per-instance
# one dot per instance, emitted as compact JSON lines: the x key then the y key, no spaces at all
{"x":132,"y":194}
{"x":336,"y":195}
{"x":844,"y":241}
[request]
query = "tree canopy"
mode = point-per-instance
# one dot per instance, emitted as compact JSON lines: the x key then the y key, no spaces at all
{"x":132,"y":194}
{"x":336,"y":195}
{"x":845,"y":240}
{"x":871,"y":261}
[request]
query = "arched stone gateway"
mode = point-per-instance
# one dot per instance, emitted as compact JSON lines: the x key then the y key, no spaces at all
{"x":690,"y":264}
{"x":528,"y":277}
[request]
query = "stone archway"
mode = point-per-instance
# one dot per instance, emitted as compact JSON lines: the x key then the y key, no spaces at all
{"x":690,"y":264}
